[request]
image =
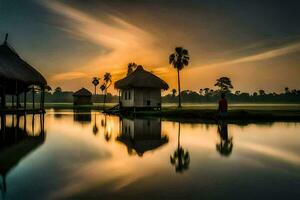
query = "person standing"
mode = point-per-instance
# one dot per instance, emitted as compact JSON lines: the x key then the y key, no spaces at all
{"x":223,"y":105}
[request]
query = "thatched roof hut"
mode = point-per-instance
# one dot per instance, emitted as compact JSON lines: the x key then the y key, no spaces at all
{"x":82,"y":97}
{"x":141,"y":89}
{"x":83,"y":93}
{"x":141,"y":78}
{"x":17,"y":76}
{"x":14,"y":69}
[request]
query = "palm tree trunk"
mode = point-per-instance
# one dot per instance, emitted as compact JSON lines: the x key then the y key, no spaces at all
{"x":95,"y":89}
{"x":178,"y":135}
{"x":179,"y":91}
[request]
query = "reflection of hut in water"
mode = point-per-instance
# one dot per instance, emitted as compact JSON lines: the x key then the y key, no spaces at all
{"x":83,"y":117}
{"x":82,"y":97}
{"x":15,"y":144}
{"x":141,"y":135}
{"x":140,"y":89}
{"x":18,"y":77}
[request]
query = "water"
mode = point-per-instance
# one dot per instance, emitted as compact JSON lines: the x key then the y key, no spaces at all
{"x":92,"y":156}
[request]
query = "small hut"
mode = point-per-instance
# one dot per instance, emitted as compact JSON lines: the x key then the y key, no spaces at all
{"x":18,"y":77}
{"x":82,"y":97}
{"x":140,"y":89}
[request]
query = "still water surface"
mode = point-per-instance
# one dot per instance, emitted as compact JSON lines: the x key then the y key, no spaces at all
{"x":92,"y":156}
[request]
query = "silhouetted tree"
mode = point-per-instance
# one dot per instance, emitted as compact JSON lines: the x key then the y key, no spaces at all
{"x":237,"y":92}
{"x":174,"y":92}
{"x":287,"y":90}
{"x":224,"y":84}
{"x":131,"y":67}
{"x":57,"y":90}
{"x":95,"y":82}
{"x":206,"y":91}
{"x":294,"y":92}
{"x":262,"y":92}
{"x":107,"y":82}
{"x":179,"y":59}
{"x":180,"y":158}
{"x":201,"y":91}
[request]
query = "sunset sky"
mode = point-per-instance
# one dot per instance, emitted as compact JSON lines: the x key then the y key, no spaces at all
{"x":254,"y":42}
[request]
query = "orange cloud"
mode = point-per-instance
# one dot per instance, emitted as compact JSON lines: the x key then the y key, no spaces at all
{"x":68,"y":76}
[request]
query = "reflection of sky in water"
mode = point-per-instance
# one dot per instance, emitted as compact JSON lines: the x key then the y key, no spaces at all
{"x":74,"y":161}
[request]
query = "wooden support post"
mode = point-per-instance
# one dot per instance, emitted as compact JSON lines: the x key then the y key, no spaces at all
{"x":33,"y":97}
{"x":25,"y":99}
{"x":17,"y":94}
{"x":3,"y":98}
{"x":3,"y":123}
{"x":43,"y":98}
{"x":12,"y":100}
{"x":18,"y":101}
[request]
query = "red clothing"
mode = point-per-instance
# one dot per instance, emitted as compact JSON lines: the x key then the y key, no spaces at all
{"x":223,"y":105}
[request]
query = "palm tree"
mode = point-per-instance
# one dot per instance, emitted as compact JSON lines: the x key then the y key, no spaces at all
{"x":181,"y":157}
{"x":179,"y":59}
{"x":95,"y":82}
{"x":107,"y":82}
{"x":130,"y":67}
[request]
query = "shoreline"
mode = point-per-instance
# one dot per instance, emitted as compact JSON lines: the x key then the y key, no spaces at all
{"x":199,"y":114}
{"x":210,"y":115}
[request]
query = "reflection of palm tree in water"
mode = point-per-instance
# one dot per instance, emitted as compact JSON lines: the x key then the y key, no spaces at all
{"x":180,"y":158}
{"x":226,"y":145}
{"x":95,"y":127}
{"x":107,"y":135}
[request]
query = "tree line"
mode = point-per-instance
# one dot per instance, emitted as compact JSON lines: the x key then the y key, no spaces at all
{"x":208,"y":95}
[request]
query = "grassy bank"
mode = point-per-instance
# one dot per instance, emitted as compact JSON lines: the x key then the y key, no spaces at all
{"x":204,"y":112}
{"x":198,"y":115}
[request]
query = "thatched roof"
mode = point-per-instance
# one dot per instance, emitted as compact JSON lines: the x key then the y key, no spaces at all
{"x":14,"y":68}
{"x":141,"y":78}
{"x":142,"y":145}
{"x":83,"y":93}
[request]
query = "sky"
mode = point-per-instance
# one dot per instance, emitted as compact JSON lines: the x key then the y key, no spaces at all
{"x":254,"y":42}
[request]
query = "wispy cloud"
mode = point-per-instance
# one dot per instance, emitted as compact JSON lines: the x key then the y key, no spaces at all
{"x":69,"y":76}
{"x":120,"y":39}
{"x":269,"y":54}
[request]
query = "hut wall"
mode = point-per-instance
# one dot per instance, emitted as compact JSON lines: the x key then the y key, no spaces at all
{"x":127,"y":98}
{"x":82,"y":100}
{"x":147,"y":97}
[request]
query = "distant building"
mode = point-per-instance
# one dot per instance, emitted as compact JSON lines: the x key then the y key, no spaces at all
{"x":82,"y":97}
{"x":140,"y":89}
{"x":141,"y":135}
